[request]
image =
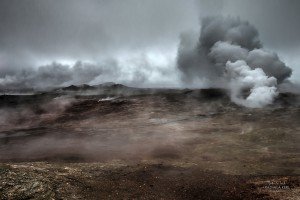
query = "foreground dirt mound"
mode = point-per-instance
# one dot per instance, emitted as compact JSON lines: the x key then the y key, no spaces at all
{"x":142,"y":181}
{"x":147,"y":144}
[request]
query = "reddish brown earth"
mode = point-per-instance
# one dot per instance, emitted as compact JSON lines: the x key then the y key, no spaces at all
{"x":175,"y":144}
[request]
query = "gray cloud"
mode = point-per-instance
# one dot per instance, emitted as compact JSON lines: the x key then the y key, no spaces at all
{"x":141,"y":71}
{"x":276,"y":20}
{"x":52,"y":75}
{"x":270,"y":63}
{"x":87,"y":30}
{"x":234,"y":30}
{"x":226,"y":39}
{"x":221,"y":52}
{"x":35,"y":33}
{"x":229,"y":49}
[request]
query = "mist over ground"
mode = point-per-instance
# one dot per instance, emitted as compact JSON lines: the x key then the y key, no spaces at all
{"x":149,"y":99}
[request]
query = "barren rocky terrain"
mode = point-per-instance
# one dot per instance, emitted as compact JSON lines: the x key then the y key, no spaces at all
{"x":116,"y":142}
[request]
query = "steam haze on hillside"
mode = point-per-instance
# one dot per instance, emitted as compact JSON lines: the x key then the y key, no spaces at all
{"x":169,"y":43}
{"x":149,"y":99}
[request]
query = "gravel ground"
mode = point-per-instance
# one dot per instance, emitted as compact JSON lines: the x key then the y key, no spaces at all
{"x":179,"y":144}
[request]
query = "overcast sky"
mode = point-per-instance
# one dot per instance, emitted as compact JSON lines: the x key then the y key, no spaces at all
{"x":38,"y":32}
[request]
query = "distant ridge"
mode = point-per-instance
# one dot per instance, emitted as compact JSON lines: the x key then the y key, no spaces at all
{"x":84,"y":87}
{"x":78,"y":87}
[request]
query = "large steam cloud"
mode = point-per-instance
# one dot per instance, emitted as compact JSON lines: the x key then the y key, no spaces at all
{"x":229,"y":49}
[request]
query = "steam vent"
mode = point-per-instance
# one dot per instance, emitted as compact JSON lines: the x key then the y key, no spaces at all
{"x":153,"y":99}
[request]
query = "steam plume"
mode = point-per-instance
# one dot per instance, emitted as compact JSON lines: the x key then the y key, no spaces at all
{"x":229,"y":49}
{"x":241,"y":77}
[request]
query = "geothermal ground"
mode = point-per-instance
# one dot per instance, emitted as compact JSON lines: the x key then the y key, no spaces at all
{"x":116,"y":142}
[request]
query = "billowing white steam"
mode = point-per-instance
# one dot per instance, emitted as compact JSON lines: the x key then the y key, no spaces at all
{"x":242,"y":77}
{"x":229,"y":49}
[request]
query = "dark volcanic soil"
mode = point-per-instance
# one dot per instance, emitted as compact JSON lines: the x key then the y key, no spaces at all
{"x":147,"y":144}
{"x":141,"y":181}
